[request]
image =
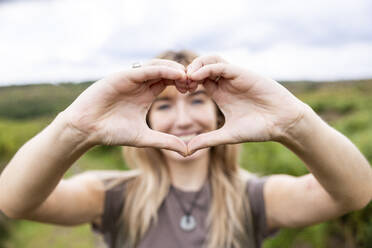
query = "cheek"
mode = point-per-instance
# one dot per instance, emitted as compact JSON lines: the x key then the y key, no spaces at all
{"x":213,"y":123}
{"x":209,"y":117}
{"x":159,"y":122}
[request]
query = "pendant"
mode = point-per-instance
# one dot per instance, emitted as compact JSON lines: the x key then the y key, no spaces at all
{"x":188,"y":223}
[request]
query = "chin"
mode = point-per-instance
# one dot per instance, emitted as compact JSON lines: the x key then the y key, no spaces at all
{"x":175,"y":156}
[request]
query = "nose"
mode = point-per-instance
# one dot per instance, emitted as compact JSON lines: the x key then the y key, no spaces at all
{"x":183,"y":116}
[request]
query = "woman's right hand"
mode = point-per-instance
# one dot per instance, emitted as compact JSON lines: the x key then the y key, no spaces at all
{"x":113,"y":110}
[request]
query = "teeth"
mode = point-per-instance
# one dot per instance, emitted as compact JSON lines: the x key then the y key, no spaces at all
{"x":187,"y":138}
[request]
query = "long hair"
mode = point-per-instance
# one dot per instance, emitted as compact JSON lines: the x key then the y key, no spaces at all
{"x":229,"y":218}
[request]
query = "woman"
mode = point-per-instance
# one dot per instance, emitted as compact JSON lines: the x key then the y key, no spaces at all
{"x":187,"y":190}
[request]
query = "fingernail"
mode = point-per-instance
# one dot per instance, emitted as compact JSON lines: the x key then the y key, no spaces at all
{"x":184,"y":154}
{"x":189,"y":151}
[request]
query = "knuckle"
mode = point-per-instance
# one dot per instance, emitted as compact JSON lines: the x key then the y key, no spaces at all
{"x":159,"y":73}
{"x":165,"y":62}
{"x":146,"y":73}
{"x":216,"y":57}
{"x":199,"y":60}
{"x":154,"y":62}
{"x":219,"y":59}
{"x":175,"y":64}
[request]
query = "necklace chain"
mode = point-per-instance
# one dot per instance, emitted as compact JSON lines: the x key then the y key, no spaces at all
{"x":184,"y":210}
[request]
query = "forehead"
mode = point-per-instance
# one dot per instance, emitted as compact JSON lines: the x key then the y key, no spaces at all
{"x":172,"y":92}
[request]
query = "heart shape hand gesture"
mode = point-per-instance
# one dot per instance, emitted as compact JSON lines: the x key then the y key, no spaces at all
{"x":256,"y":108}
{"x":112,"y":111}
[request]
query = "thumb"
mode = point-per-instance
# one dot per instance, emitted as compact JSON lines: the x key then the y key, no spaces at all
{"x":210,"y":87}
{"x":151,"y":138}
{"x":213,"y":138}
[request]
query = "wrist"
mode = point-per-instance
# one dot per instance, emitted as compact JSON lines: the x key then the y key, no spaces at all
{"x":69,"y":134}
{"x":303,"y":129}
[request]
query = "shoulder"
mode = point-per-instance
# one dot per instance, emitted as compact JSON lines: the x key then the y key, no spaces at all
{"x":253,"y":182}
{"x":108,"y":185}
{"x":113,"y":183}
{"x":255,"y":189}
{"x":107,"y":178}
{"x":111,"y":174}
{"x":246,"y":175}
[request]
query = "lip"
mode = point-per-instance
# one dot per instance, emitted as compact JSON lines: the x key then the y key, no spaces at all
{"x":187,"y":133}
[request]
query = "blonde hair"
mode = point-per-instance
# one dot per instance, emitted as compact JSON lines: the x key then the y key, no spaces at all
{"x":229,"y":220}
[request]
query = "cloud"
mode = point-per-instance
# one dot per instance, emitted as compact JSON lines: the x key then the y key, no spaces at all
{"x":78,"y":40}
{"x":297,"y":62}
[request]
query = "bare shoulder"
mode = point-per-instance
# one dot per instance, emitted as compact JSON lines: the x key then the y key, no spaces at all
{"x":97,"y":181}
{"x":103,"y":175}
{"x":246,"y":175}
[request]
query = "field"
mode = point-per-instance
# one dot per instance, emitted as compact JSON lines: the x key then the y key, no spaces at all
{"x":345,"y":105}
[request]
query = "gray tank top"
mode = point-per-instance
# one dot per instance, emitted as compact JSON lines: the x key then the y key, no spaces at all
{"x":167,"y":232}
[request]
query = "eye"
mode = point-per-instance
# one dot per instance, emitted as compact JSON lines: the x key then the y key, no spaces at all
{"x":163,"y":106}
{"x":197,"y":101}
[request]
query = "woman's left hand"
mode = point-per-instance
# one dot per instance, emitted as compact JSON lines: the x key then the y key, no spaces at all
{"x":256,"y":108}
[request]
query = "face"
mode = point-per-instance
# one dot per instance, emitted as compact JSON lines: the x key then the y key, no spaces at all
{"x":185,"y":116}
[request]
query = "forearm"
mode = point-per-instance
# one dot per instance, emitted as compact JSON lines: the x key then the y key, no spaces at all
{"x":336,"y":163}
{"x":38,"y":166}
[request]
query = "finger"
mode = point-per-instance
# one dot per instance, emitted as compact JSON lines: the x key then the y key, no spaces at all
{"x":201,"y":61}
{"x":213,"y":138}
{"x":157,"y":88}
{"x":193,"y":85}
{"x":181,"y":87}
{"x":153,"y":81}
{"x":158,"y":85}
{"x":145,"y":73}
{"x":213,"y":71}
{"x":168,"y":82}
{"x":210,"y":86}
{"x":165,"y":62}
{"x":151,"y":138}
{"x":169,"y":63}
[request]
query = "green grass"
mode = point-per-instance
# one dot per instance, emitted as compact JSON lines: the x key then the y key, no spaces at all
{"x":13,"y":134}
{"x":27,"y":234}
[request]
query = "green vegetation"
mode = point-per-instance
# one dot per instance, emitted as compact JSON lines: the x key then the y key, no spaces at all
{"x":33,"y":101}
{"x":347,"y":106}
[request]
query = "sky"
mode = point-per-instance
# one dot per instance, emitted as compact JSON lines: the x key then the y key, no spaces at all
{"x":53,"y":41}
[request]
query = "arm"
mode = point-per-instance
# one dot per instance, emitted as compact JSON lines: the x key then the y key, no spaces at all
{"x":112,"y":111}
{"x":38,"y":166}
{"x":340,"y":179}
{"x":257,"y":108}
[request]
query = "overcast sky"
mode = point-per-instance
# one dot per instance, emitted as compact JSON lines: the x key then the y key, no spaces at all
{"x":76,"y":40}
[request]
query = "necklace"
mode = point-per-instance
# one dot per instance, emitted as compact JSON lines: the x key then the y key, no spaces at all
{"x":188,"y":222}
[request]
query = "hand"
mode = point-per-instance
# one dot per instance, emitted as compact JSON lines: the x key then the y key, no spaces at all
{"x":255,"y":108}
{"x":112,"y":111}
